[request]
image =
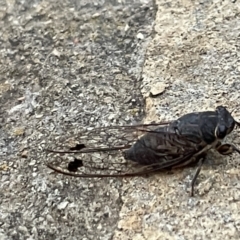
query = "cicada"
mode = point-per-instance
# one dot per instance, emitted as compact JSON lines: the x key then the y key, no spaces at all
{"x":163,"y":146}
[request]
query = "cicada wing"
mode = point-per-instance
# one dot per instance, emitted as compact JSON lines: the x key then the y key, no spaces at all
{"x":104,"y":139}
{"x":105,"y":172}
{"x":109,"y":162}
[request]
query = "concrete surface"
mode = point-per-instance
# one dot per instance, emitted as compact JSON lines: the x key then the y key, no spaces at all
{"x":65,"y":66}
{"x":68,"y":66}
{"x":194,"y":58}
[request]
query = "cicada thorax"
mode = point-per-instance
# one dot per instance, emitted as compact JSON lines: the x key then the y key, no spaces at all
{"x":197,"y":126}
{"x":208,"y":126}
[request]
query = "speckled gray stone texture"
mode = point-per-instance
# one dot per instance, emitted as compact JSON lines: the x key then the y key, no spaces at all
{"x":71,"y":65}
{"x":193,"y":64}
{"x":64,"y":66}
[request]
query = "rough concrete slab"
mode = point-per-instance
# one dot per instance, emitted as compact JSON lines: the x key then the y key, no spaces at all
{"x":64,"y":66}
{"x":193,"y":62}
{"x":70,"y":65}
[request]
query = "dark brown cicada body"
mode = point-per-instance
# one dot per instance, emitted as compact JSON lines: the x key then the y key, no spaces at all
{"x":170,"y":145}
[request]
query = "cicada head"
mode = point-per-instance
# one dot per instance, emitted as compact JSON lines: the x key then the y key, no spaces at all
{"x":226,"y":122}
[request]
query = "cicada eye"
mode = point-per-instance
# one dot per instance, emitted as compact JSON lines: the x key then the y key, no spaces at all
{"x":221,"y":131}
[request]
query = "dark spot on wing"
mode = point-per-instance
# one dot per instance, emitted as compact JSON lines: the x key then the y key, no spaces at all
{"x":74,"y":165}
{"x":78,"y":147}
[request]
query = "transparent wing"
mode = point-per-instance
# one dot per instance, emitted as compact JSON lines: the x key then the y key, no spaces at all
{"x":99,"y":152}
{"x":104,"y":138}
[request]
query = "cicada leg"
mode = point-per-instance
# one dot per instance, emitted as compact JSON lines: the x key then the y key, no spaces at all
{"x":226,"y":149}
{"x":200,"y":163}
